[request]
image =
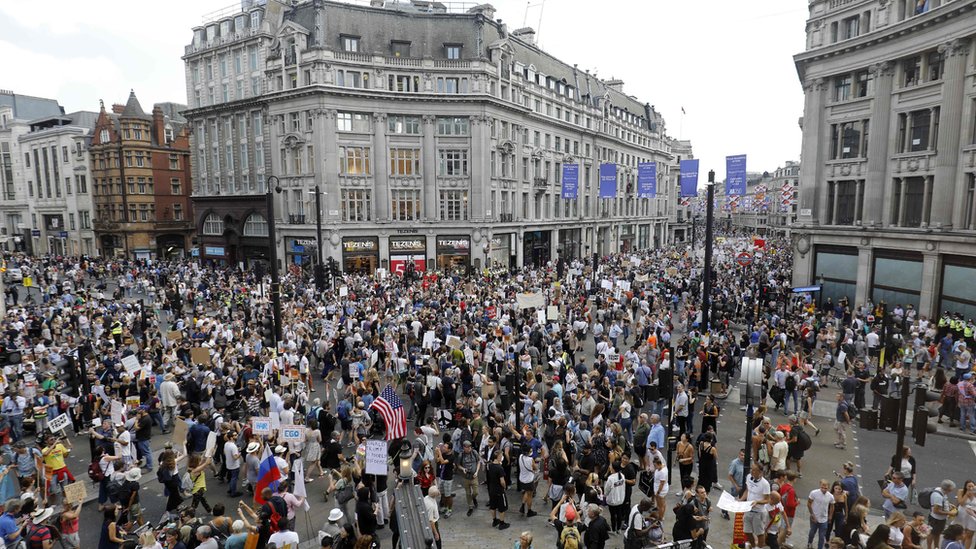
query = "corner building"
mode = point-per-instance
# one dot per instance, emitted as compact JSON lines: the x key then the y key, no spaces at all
{"x":436,"y":136}
{"x":887,"y":201}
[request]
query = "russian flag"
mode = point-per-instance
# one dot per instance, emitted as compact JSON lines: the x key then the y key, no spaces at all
{"x":268,"y":475}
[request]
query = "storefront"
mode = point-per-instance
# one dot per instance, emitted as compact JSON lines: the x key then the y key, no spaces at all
{"x":407,"y":249}
{"x":453,"y":253}
{"x":360,"y":254}
{"x":300,"y":252}
{"x":215,"y":254}
{"x":897,"y":278}
{"x":627,"y":238}
{"x":835,"y":269}
{"x":503,"y":250}
{"x":644,"y":237}
{"x":536,"y":248}
{"x":570,"y":244}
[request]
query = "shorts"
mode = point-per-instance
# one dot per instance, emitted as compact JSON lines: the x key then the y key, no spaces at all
{"x":346,"y":424}
{"x":526,"y":486}
{"x":498,"y":502}
{"x":754,"y":522}
{"x":938,"y":525}
{"x":446,"y":487}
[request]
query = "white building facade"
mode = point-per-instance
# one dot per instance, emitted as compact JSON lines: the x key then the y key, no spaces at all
{"x":436,"y":137}
{"x":887,"y":202}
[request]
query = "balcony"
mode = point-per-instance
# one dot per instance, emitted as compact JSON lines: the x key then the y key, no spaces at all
{"x":505,"y":218}
{"x":540,"y":182}
{"x":296,"y":219}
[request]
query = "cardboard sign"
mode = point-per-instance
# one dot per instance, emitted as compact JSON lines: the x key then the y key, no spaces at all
{"x":200,"y":355}
{"x":453,"y":342}
{"x":261,"y":425}
{"x":552,"y":312}
{"x":175,"y":335}
{"x":530,"y":300}
{"x":428,"y":342}
{"x":180,"y":430}
{"x":59,"y":423}
{"x":376,"y":452}
{"x":131,"y":364}
{"x":133,"y":402}
{"x":211,"y":444}
{"x":354,"y":371}
{"x":343,"y":291}
{"x":606,"y":284}
{"x":118,"y":412}
{"x":292,"y":433}
{"x":75,"y":492}
{"x":541,"y":316}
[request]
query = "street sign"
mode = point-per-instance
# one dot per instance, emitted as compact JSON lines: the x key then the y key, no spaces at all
{"x":743,"y":258}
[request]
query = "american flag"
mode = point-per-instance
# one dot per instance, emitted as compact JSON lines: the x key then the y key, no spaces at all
{"x":389,"y":406}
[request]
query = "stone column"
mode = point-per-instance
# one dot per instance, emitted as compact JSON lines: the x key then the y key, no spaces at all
{"x":865,"y":260}
{"x":480,"y":174}
{"x":928,"y":298}
{"x":877,"y":176}
{"x":430,"y":170}
{"x":948,"y":178}
{"x":812,"y":169}
{"x":833,"y":209}
{"x":858,"y":201}
{"x":381,"y":169}
{"x":330,"y":181}
{"x":902,"y":186}
{"x":927,"y":201}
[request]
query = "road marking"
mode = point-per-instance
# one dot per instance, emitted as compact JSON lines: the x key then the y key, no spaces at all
{"x":972,"y":444}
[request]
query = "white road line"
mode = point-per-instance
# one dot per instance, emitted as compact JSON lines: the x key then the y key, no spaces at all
{"x":972,"y":444}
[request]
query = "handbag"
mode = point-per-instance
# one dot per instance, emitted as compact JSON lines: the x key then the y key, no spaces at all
{"x":252,"y":541}
{"x":646,"y":483}
{"x":344,"y":494}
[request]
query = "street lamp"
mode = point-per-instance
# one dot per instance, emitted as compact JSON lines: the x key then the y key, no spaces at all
{"x":707,"y":282}
{"x":820,"y":282}
{"x":406,"y":461}
{"x":319,"y":267}
{"x":274,"y":184}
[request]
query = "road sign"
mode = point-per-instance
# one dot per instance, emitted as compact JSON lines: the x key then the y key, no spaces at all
{"x":743,"y":258}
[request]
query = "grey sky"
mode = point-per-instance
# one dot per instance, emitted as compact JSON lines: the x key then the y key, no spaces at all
{"x":729,"y":64}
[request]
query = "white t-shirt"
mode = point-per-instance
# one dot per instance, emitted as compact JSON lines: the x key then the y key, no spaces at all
{"x":433,"y":513}
{"x":615,"y":489}
{"x":635,"y":519}
{"x":757,"y":490}
{"x":280,"y":539}
{"x":661,"y":475}
{"x":230,"y":451}
{"x":777,"y":522}
{"x":625,"y":410}
{"x":821,"y":505}
{"x":526,"y":474}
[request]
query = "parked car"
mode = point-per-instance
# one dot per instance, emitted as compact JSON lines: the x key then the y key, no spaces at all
{"x":15,"y":274}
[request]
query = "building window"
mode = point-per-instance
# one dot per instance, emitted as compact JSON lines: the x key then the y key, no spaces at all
{"x":174,"y":161}
{"x":845,"y":195}
{"x":911,"y":212}
{"x":863,"y":82}
{"x":354,"y":160}
{"x":84,"y":217}
{"x":850,"y":27}
{"x":452,"y":162}
{"x":352,"y":122}
{"x":452,"y":84}
{"x":452,"y":51}
{"x":67,"y":185}
{"x":842,"y":88}
{"x":255,"y":225}
{"x":935,"y":66}
{"x":356,"y":205}
{"x":399,"y":48}
{"x":352,"y":79}
{"x":454,"y":205}
{"x":213,"y":225}
{"x":913,"y":70}
{"x":176,"y":186}
{"x":452,"y":125}
{"x":404,"y":83}
{"x":405,"y":204}
{"x":177,"y":212}
{"x":918,"y":130}
{"x":405,"y":162}
{"x":404,"y":125}
{"x":255,"y":19}
{"x":849,"y":140}
{"x":349,"y":43}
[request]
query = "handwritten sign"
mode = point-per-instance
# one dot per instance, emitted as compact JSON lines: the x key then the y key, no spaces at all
{"x":261,"y":425}
{"x":292,"y":433}
{"x":59,"y":423}
{"x":211,"y":444}
{"x":75,"y":492}
{"x":175,"y":335}
{"x":200,"y":355}
{"x":428,"y":342}
{"x":552,"y":312}
{"x":132,"y":401}
{"x":376,"y":452}
{"x":343,"y":291}
{"x":453,"y":342}
{"x":131,"y":364}
{"x":118,"y":412}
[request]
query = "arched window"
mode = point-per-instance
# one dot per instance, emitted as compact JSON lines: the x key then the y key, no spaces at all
{"x":213,"y":225}
{"x":255,"y":225}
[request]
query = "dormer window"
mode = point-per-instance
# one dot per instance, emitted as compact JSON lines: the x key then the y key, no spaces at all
{"x":103,"y":136}
{"x":400,"y":48}
{"x":452,"y":51}
{"x":350,"y":43}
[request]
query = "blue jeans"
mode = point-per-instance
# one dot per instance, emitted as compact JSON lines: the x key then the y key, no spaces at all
{"x":786,"y":401}
{"x":143,"y":450}
{"x":820,"y":529}
{"x":16,"y":426}
{"x":967,"y":417}
{"x":235,"y":474}
{"x":626,"y":424}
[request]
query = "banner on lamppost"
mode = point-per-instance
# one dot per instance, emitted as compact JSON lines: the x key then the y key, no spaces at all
{"x":570,"y":190}
{"x":647,"y":180}
{"x":689,"y":177}
{"x":735,"y":175}
{"x":608,"y":180}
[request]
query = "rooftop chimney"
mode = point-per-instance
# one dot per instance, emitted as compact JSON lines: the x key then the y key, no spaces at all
{"x":117,"y":109}
{"x":157,"y":124}
{"x":527,"y":34}
{"x":615,"y":85}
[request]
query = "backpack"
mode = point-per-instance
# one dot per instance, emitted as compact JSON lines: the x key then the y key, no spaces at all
{"x":343,"y":411}
{"x":570,"y":538}
{"x":925,"y":498}
{"x":274,"y":502}
{"x":312,"y":414}
{"x":95,"y":471}
{"x":790,"y":382}
{"x":804,"y":440}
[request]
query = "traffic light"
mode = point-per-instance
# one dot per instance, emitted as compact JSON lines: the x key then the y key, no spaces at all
{"x":320,"y":277}
{"x":267,"y":332}
{"x":923,"y":411}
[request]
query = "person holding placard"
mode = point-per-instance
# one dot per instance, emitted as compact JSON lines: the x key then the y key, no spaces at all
{"x":55,"y":468}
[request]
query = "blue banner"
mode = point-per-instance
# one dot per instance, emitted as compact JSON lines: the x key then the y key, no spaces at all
{"x":735,"y":175}
{"x":646,"y":179}
{"x":608,"y":180}
{"x":570,"y":181}
{"x":689,"y":177}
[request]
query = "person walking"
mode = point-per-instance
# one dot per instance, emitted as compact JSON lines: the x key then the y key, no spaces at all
{"x":233,"y":462}
{"x":497,"y":499}
{"x":820,"y":504}
{"x":842,"y":419}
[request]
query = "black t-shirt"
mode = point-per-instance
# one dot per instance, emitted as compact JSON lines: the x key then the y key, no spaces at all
{"x":446,"y":470}
{"x":630,"y":473}
{"x":144,"y":428}
{"x":494,"y":475}
{"x":365,"y":517}
{"x":330,"y":455}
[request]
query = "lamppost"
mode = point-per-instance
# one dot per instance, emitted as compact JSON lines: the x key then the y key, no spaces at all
{"x":320,"y":266}
{"x":274,"y":187}
{"x":820,"y":282}
{"x":707,"y":284}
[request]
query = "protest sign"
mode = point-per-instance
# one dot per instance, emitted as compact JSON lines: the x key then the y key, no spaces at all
{"x":376,"y":452}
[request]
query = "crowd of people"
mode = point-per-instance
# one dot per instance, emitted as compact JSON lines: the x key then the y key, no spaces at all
{"x":587,"y":392}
